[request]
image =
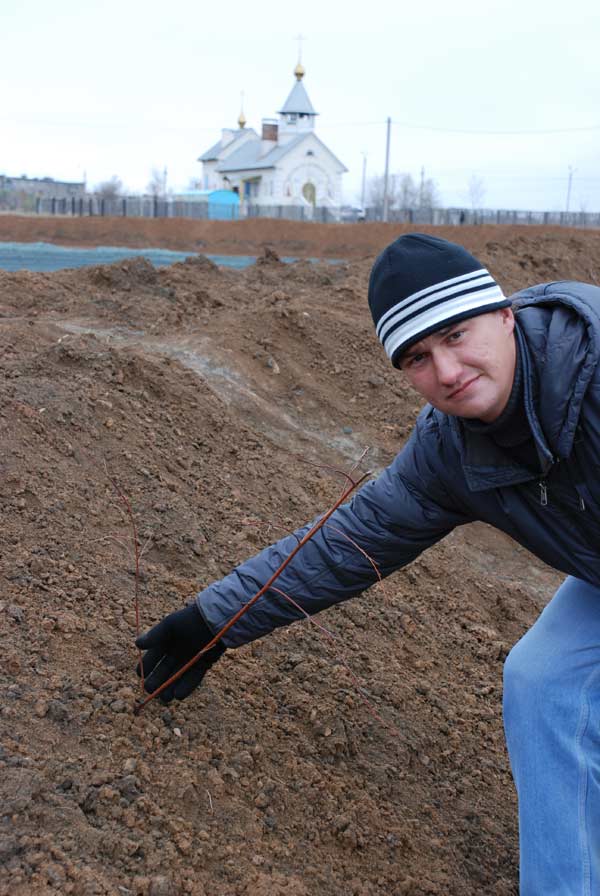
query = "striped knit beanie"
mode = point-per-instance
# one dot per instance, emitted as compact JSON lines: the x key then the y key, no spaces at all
{"x":422,"y":283}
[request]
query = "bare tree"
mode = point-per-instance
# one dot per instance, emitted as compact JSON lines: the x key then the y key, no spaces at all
{"x":403,"y":192}
{"x":376,"y":190}
{"x":157,"y":185}
{"x":109,"y":189}
{"x":429,"y":194}
{"x":476,"y":191}
{"x":408,"y":194}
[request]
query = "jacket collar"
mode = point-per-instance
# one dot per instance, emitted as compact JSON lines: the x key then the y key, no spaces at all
{"x":487,"y":465}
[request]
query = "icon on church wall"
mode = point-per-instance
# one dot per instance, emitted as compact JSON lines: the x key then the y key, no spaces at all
{"x":310,"y":193}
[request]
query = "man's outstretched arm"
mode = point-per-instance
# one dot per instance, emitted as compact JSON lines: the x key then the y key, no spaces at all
{"x":392,"y":519}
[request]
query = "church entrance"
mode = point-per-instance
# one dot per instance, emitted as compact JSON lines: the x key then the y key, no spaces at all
{"x":309,"y":191}
{"x":251,"y":188}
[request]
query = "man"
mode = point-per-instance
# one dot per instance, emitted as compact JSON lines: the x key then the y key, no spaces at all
{"x":511,"y":436}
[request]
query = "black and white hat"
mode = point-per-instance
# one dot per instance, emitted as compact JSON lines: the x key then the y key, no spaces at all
{"x":421,"y":283}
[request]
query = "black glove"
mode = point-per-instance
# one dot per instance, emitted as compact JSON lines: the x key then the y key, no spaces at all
{"x":169,"y":645}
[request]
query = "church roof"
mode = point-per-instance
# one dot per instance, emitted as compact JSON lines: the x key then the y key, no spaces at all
{"x":248,"y":156}
{"x":213,"y":153}
{"x":210,"y":154}
{"x":298,"y":102}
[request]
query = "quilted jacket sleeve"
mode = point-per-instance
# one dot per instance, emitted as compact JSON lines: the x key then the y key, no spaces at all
{"x":393,"y":518}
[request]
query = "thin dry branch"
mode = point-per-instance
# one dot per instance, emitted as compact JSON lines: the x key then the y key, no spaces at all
{"x":362,"y":551}
{"x":312,"y":531}
{"x":340,"y":657}
{"x":136,"y":548}
{"x":331,"y":469}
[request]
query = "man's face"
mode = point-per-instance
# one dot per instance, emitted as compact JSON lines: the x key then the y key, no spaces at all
{"x":466,"y":369}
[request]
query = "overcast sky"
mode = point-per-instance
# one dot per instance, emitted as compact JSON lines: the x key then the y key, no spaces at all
{"x":507,"y":91}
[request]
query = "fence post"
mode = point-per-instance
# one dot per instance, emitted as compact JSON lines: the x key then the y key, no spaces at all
{"x":156,"y":207}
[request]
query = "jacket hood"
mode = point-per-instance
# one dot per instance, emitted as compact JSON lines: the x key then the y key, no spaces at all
{"x":560,"y":324}
{"x":558,"y":335}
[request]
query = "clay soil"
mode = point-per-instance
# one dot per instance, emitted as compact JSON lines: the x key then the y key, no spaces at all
{"x":202,"y":392}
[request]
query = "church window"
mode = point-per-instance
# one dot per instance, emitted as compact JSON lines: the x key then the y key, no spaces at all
{"x":309,"y":152}
{"x":292,"y":118}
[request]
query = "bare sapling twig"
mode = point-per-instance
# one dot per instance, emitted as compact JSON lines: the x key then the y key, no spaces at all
{"x":136,"y":548}
{"x":363,"y":552}
{"x":330,"y":635}
{"x":331,"y":469}
{"x":350,"y":487}
{"x":147,"y":544}
{"x":340,"y":657}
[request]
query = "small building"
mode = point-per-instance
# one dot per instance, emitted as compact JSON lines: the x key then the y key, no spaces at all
{"x":222,"y":205}
{"x":42,"y":187}
{"x":286,"y":165}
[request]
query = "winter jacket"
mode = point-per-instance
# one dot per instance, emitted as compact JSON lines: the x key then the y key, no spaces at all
{"x":447,"y":475}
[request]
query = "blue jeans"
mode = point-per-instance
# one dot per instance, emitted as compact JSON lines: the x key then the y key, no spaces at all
{"x":552,"y":724}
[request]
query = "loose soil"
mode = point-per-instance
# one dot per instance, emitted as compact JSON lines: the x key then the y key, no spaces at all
{"x":203,"y":392}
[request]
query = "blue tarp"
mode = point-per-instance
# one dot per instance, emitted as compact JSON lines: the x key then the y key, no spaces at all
{"x":223,"y":205}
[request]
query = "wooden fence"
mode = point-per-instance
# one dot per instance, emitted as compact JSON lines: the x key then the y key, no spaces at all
{"x":155,"y":207}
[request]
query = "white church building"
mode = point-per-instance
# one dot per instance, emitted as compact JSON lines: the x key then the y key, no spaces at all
{"x":286,"y":165}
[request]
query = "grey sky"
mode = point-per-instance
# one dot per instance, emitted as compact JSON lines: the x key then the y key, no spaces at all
{"x":122,"y":87}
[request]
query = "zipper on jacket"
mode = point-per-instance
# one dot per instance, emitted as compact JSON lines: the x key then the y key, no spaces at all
{"x":543,"y":493}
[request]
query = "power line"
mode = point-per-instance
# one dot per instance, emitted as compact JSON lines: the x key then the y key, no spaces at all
{"x":578,"y":130}
{"x":530,"y":178}
{"x":336,"y":124}
{"x":426,"y":127}
{"x":114,"y":126}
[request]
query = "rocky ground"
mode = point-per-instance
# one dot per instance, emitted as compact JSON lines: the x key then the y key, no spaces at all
{"x":202,"y":392}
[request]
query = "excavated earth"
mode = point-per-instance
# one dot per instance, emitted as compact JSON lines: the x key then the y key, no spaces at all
{"x":205,"y":398}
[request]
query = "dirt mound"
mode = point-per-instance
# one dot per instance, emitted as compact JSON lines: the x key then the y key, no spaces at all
{"x":201,"y":392}
{"x":269,"y":256}
{"x":126,"y":275}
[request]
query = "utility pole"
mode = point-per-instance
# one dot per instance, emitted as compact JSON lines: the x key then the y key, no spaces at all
{"x":571,"y":172}
{"x":422,"y":187}
{"x":364,"y":182}
{"x":386,"y":176}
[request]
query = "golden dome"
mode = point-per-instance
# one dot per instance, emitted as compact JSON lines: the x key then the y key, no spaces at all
{"x":299,"y":71}
{"x":242,"y":119}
